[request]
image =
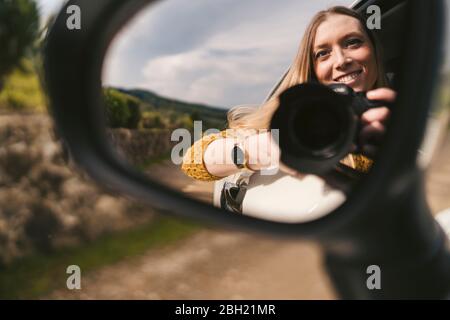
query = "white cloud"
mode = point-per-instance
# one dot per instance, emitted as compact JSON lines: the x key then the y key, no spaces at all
{"x":199,"y":75}
{"x":238,"y":65}
{"x":223,"y":53}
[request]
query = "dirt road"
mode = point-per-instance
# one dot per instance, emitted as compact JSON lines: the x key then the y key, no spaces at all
{"x":217,"y":264}
{"x":170,"y":175}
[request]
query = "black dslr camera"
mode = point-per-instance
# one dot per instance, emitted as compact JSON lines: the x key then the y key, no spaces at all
{"x":318,"y":124}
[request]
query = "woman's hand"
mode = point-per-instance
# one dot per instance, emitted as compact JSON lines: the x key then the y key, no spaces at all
{"x":374,"y":121}
{"x":263,"y":151}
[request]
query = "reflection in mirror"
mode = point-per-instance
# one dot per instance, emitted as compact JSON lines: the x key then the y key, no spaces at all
{"x":205,"y":105}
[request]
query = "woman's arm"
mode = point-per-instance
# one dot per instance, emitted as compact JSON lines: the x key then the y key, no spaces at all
{"x":261,"y":151}
{"x":217,"y":158}
{"x":193,"y":161}
{"x":210,"y":158}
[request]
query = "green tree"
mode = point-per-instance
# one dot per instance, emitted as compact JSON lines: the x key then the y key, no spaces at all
{"x":195,"y":116}
{"x":19,"y":27}
{"x":135,"y":113}
{"x":117,"y":112}
{"x":152,"y":120}
{"x":122,"y":110}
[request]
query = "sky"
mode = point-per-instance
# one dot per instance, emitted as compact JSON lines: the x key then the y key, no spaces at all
{"x":222,"y":52}
{"x":47,"y":7}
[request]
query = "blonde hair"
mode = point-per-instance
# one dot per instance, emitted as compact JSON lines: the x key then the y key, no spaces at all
{"x":301,"y":70}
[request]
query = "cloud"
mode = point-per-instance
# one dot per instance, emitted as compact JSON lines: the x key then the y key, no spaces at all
{"x":222,"y":52}
{"x":232,"y":67}
{"x":208,"y":76}
{"x":174,"y":26}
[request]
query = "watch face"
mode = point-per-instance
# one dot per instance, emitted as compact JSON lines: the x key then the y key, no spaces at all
{"x":238,"y":156}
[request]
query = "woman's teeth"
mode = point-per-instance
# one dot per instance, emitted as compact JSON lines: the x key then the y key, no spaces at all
{"x":349,"y":77}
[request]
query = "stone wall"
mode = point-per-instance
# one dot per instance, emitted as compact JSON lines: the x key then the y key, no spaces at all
{"x":141,"y":146}
{"x":48,"y":203}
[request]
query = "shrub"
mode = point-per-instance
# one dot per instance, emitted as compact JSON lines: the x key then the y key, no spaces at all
{"x":152,"y":120}
{"x":135,"y":113}
{"x":19,"y":25}
{"x":22,"y":90}
{"x":122,"y":110}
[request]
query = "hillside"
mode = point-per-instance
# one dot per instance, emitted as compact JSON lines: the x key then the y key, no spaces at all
{"x":213,"y":117}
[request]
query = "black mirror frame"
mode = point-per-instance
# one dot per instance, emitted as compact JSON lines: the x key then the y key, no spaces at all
{"x":74,"y":61}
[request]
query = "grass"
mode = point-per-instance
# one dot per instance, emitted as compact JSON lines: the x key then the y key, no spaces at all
{"x":35,"y":276}
{"x":22,"y":90}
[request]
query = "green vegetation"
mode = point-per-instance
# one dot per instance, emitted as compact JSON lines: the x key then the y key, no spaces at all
{"x":35,"y":276}
{"x":122,"y":110}
{"x":20,"y":57}
{"x":19,"y":25}
{"x":179,"y":114}
{"x":140,"y":109}
{"x":22,"y":90}
{"x":165,"y":119}
{"x":160,"y":102}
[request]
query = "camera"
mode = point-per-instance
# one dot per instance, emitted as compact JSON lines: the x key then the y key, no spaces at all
{"x":318,"y":124}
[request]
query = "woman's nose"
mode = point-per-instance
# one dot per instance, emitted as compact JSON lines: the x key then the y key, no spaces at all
{"x":342,"y":60}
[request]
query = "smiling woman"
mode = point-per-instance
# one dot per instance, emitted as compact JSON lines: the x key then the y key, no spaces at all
{"x":195,"y":79}
{"x":337,"y":47}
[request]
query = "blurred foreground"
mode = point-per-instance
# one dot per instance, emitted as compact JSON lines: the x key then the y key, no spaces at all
{"x":216,"y":264}
{"x":53,"y":216}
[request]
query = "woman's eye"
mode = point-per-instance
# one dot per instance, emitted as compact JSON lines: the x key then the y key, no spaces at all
{"x":321,"y":53}
{"x":354,"y":42}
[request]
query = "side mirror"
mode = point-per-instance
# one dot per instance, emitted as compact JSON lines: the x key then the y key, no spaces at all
{"x":385,"y":218}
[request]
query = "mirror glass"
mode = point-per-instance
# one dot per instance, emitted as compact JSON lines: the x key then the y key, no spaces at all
{"x":195,"y":99}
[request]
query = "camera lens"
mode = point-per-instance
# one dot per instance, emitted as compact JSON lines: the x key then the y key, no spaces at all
{"x":318,"y":128}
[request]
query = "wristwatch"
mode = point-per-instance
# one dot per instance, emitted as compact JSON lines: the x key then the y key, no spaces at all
{"x":240,"y":157}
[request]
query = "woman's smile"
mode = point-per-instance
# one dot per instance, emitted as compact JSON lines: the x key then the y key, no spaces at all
{"x":349,"y":78}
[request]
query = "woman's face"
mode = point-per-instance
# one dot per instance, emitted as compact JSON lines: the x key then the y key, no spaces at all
{"x":343,"y":53}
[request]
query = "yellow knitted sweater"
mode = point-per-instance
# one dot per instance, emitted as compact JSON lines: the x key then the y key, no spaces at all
{"x":194,"y":166}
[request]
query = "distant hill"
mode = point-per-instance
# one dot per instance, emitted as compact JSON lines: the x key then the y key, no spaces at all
{"x":153,"y":101}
